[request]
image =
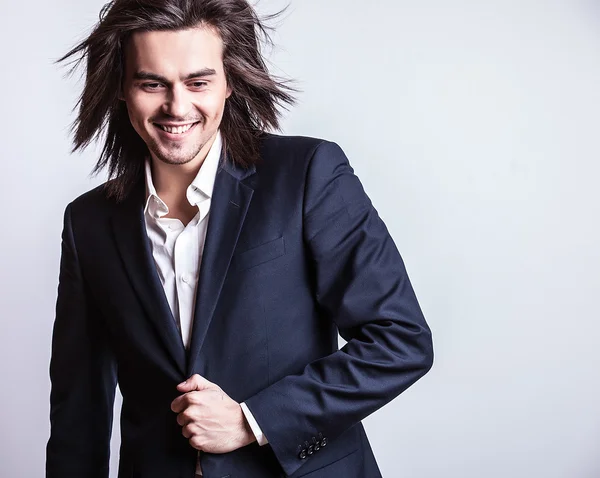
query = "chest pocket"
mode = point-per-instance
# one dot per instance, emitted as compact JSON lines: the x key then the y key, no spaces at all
{"x":258,"y":255}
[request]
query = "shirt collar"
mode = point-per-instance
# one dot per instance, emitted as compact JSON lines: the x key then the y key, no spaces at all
{"x":199,"y":190}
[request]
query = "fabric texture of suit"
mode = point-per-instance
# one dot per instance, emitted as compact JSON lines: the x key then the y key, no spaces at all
{"x":294,"y":253}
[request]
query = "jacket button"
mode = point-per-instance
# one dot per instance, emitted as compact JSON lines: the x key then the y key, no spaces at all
{"x":311,"y":450}
{"x":302,"y":454}
{"x":324,"y":442}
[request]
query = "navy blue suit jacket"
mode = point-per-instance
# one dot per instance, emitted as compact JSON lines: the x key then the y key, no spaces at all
{"x":295,"y":252}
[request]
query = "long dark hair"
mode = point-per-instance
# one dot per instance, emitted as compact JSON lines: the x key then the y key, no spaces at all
{"x":251,"y":109}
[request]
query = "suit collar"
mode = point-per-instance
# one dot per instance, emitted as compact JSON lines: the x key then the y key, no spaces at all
{"x":235,"y":170}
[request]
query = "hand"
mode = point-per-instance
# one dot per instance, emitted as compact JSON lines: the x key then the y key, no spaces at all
{"x":211,"y":420}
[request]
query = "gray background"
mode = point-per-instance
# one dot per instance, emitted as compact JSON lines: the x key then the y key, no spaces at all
{"x":474,"y":128}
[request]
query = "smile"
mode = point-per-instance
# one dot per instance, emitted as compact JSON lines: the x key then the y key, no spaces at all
{"x":176,"y":129}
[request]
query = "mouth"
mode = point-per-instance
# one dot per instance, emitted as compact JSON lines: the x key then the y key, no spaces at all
{"x":176,"y":130}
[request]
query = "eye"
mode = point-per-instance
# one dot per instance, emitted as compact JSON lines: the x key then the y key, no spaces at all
{"x":198,"y":84}
{"x":151,"y":86}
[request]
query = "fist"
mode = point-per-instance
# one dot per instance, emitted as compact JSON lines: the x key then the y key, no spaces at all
{"x":211,"y":420}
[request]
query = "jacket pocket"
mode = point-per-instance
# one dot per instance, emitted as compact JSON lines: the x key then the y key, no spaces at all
{"x":258,"y":255}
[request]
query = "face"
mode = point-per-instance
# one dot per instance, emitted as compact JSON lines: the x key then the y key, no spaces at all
{"x":175,"y":90}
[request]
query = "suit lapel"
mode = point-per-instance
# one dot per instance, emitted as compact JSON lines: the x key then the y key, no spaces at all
{"x":229,"y":204}
{"x":134,"y":247}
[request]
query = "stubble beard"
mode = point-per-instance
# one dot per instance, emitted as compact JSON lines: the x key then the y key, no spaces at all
{"x":175,"y":153}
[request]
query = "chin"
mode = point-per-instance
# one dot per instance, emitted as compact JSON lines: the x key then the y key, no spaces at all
{"x":170,"y":158}
{"x":172,"y":155}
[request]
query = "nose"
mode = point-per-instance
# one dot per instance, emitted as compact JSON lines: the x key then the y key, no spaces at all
{"x":178,"y":103}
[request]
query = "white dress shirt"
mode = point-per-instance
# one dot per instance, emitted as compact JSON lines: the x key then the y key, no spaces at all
{"x":177,"y":250}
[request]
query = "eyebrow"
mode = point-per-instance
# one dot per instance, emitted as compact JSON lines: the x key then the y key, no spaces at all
{"x":146,"y":75}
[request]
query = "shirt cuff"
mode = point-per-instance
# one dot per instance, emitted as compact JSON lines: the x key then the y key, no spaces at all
{"x":260,"y":437}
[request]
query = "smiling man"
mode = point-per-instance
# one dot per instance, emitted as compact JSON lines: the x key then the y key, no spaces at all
{"x":175,"y":107}
{"x":210,"y":275}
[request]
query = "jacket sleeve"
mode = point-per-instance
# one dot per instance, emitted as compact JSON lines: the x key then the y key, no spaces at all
{"x":362,"y":285}
{"x":82,"y":374}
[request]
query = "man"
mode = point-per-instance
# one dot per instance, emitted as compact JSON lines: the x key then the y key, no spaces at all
{"x":210,"y":276}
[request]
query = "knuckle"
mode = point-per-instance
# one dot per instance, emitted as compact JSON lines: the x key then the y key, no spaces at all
{"x":195,"y":398}
{"x":196,"y":443}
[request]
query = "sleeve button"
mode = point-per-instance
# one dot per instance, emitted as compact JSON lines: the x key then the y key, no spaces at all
{"x":324,"y":442}
{"x":311,"y":449}
{"x":302,"y":454}
{"x":316,"y":443}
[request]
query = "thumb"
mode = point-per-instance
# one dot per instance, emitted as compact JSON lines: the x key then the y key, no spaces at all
{"x":195,"y":383}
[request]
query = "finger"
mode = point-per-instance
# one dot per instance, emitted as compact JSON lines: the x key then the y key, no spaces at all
{"x":180,"y":404}
{"x":195,"y":383}
{"x":196,"y":443}
{"x":186,"y":431}
{"x":183,"y":419}
{"x":186,"y":400}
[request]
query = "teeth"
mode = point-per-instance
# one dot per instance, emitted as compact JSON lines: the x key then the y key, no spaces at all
{"x":176,"y":129}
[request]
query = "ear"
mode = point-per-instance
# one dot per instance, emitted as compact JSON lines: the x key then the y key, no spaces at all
{"x":228,"y":92}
